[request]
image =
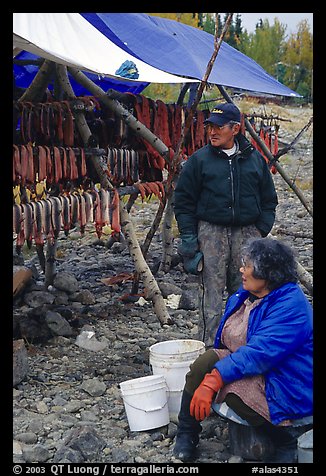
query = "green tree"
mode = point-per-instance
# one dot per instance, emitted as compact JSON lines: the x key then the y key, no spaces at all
{"x":187,"y":18}
{"x":208,"y":23}
{"x":265,"y":45}
{"x":298,"y":60}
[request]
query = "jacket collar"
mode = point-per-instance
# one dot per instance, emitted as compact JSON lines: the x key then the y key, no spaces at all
{"x":244,"y":150}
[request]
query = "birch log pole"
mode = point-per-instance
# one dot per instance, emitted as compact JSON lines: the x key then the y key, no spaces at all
{"x":153,"y":292}
{"x":142,"y":269}
{"x":82,"y":125}
{"x":39,"y":84}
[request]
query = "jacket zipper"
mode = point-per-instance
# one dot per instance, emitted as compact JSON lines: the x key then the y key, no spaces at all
{"x":232,"y":188}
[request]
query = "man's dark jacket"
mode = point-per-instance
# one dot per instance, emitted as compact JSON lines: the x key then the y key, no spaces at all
{"x":236,"y":190}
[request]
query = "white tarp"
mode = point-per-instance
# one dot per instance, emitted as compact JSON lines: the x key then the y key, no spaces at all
{"x":69,"y":39}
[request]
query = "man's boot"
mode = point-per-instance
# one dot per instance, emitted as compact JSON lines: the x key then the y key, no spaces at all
{"x":285,"y":442}
{"x":188,"y":431}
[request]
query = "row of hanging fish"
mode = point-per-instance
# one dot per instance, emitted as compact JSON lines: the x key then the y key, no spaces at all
{"x":53,"y":124}
{"x":50,"y":123}
{"x":269,"y":135}
{"x":166,"y":121}
{"x":55,"y":164}
{"x":122,"y":166}
{"x":63,"y":165}
{"x":44,"y":219}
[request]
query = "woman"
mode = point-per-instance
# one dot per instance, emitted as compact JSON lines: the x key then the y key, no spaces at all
{"x":261,"y":364}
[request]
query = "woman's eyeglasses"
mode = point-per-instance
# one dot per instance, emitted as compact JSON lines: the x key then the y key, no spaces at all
{"x":244,"y":265}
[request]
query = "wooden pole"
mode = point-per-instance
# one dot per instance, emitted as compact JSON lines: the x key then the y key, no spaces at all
{"x":36,"y":89}
{"x":82,"y":125}
{"x":153,"y":292}
{"x":142,"y":269}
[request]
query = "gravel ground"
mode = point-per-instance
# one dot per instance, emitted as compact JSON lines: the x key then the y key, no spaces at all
{"x":69,"y":407}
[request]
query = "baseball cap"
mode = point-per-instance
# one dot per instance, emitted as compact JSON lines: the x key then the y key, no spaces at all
{"x":224,"y":113}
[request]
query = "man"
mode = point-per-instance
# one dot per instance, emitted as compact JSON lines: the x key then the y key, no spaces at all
{"x":225,"y":194}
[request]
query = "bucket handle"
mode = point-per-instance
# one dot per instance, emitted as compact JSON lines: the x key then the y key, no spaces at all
{"x":147,"y":411}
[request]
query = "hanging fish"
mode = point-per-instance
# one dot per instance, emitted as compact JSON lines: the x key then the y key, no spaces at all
{"x":74,"y":209}
{"x":115,"y":221}
{"x":134,"y":166}
{"x":38,"y":232}
{"x":82,"y":214}
{"x":17,"y":218}
{"x":97,"y":213}
{"x":21,"y":233}
{"x":41,"y":163}
{"x":38,"y":222}
{"x":56,"y":215}
{"x":47,"y":220}
{"x":49,"y":165}
{"x":30,"y":175}
{"x":104,"y":200}
{"x":57,"y":164}
{"x":28,"y":223}
{"x":65,"y":206}
{"x":65,"y":170}
{"x":82,"y":162}
{"x":127,"y":167}
{"x":89,"y":207}
{"x":73,"y":164}
{"x":16,"y":164}
{"x":23,"y":163}
{"x":110,"y":164}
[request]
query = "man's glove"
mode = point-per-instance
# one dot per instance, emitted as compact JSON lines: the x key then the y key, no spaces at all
{"x":188,"y":246}
{"x":191,"y":256}
{"x":200,"y":405}
{"x":193,"y":265}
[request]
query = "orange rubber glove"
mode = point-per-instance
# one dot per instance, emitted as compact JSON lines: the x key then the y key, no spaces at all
{"x":200,"y":405}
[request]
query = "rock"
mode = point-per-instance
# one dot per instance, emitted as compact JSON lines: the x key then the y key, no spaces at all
{"x":82,"y":444}
{"x":85,"y":296}
{"x":189,"y":298}
{"x":58,"y":324}
{"x":20,"y":361}
{"x":21,"y":277}
{"x":88,"y":341}
{"x":36,"y":454}
{"x":169,"y":288}
{"x":65,"y":282}
{"x":38,"y":298}
{"x":235,"y":459}
{"x":94,"y":387}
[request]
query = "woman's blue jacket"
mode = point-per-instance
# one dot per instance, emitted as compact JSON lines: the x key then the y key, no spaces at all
{"x":279,"y":346}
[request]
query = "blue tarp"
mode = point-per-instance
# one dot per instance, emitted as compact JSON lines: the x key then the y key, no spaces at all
{"x":172,"y":47}
{"x":184,"y":50}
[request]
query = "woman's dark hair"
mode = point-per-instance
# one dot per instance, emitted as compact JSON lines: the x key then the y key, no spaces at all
{"x":272,"y":260}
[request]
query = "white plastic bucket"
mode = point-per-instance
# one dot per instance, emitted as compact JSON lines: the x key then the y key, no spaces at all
{"x":145,"y":402}
{"x":173,"y":359}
